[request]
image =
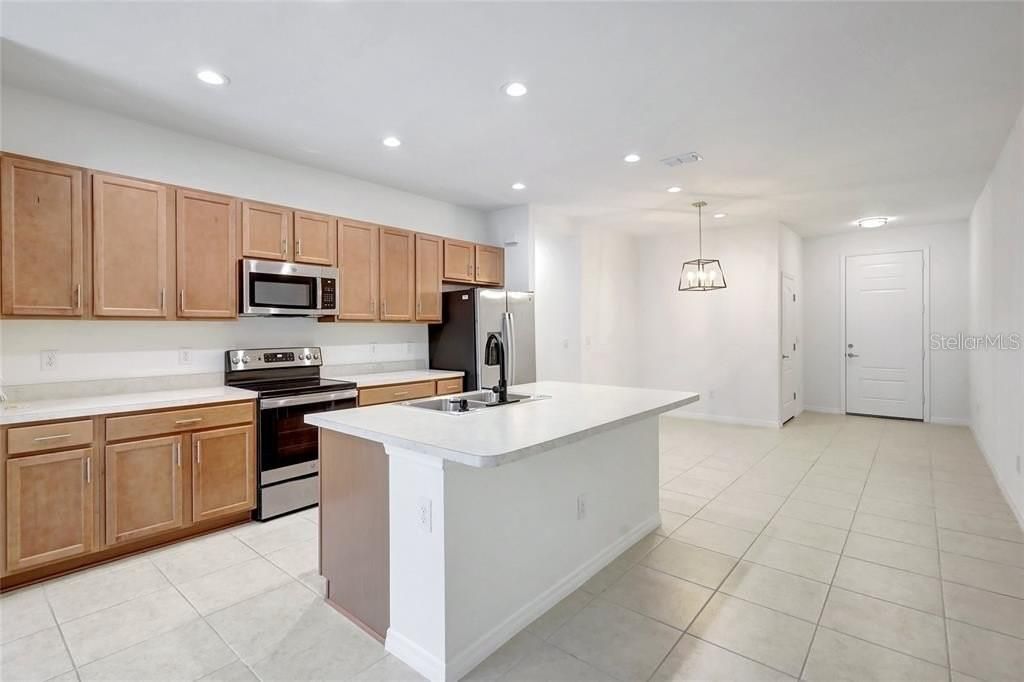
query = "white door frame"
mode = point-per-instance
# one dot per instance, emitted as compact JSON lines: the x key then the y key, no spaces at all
{"x":798,"y":374}
{"x":926,"y":326}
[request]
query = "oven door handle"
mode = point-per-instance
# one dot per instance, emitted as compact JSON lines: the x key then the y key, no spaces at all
{"x":271,"y":403}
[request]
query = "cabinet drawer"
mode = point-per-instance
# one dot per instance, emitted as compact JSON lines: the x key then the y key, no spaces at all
{"x":175,"y":421}
{"x":448,"y":386}
{"x":391,"y":394}
{"x":22,"y":439}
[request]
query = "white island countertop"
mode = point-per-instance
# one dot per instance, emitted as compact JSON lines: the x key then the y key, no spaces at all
{"x":407,"y":376}
{"x":69,"y":408}
{"x":498,"y":435}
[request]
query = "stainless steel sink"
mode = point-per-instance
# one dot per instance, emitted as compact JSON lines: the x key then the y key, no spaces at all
{"x":464,"y":403}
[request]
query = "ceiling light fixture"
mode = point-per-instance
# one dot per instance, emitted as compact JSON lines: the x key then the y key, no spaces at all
{"x":703,"y":274}
{"x":674,"y":189}
{"x":869,"y":223}
{"x":391,"y":141}
{"x":721,"y":215}
{"x":518,"y":186}
{"x":631,"y":158}
{"x":211,"y":77}
{"x":515,"y":89}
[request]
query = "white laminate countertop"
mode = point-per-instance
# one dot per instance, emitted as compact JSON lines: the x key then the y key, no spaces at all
{"x":498,"y":435}
{"x":404,"y":377}
{"x":69,"y":408}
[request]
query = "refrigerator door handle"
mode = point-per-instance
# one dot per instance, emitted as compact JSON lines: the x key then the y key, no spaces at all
{"x":508,"y":332}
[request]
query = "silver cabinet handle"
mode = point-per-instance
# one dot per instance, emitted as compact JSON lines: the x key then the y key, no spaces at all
{"x":284,"y":247}
{"x":398,"y":393}
{"x":199,"y":455}
{"x":88,"y":469}
{"x":852,"y":355}
{"x":177,"y":454}
{"x":41,"y":439}
{"x":78,"y":296}
{"x":298,"y":247}
{"x":384,"y":307}
{"x":193,"y":420}
{"x":181,"y":300}
{"x":163,"y":306}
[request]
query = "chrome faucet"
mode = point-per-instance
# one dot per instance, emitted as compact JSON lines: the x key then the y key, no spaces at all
{"x":494,"y":354}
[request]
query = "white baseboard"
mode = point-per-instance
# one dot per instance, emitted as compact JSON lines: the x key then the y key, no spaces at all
{"x":823,"y":410}
{"x":470,"y":657}
{"x":995,"y":474}
{"x":414,"y":656}
{"x":681,"y":413}
{"x":951,"y":421}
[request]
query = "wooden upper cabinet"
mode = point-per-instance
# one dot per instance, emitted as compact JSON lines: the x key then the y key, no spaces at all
{"x":429,"y":256}
{"x":207,"y":241}
{"x":397,"y":265}
{"x":358,"y":260}
{"x":49,"y":508}
{"x":316,"y":239}
{"x":130,"y":247}
{"x":143,"y":488}
{"x":42,"y":237}
{"x":490,"y":264}
{"x":459,"y":260}
{"x":266,"y":231}
{"x":223,"y":472}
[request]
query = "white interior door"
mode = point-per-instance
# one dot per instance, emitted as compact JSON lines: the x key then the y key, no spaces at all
{"x":789,"y":348}
{"x":884,"y":346}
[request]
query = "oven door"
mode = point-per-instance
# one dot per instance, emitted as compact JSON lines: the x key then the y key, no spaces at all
{"x":288,"y":446}
{"x":272,"y":288}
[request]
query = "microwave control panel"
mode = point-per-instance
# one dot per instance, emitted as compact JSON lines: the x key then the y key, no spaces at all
{"x":328,"y":296}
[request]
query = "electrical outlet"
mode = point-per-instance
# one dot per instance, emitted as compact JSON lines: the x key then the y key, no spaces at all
{"x":424,"y":513}
{"x":48,"y":360}
{"x":581,"y":507}
{"x":185,"y":356}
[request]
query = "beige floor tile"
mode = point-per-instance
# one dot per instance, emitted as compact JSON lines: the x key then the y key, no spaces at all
{"x":891,"y":584}
{"x":688,"y":485}
{"x":196,"y":558}
{"x":913,"y":558}
{"x":691,"y":563}
{"x":897,"y":627}
{"x":38,"y":656}
{"x":767,"y":636}
{"x":389,"y":669}
{"x":734,"y":517}
{"x":105,"y":632}
{"x":981,"y":547}
{"x":679,"y":503}
{"x":24,"y":612}
{"x":984,"y":654}
{"x":523,"y":645}
{"x":187,"y":653}
{"x":769,"y":485}
{"x":228,"y":586}
{"x":776,"y":589}
{"x":658,"y":595}
{"x":273,"y":535}
{"x":835,"y":656}
{"x":694,"y":660}
{"x":802,"y":560}
{"x":817,"y":513}
{"x":894,"y":529}
{"x":297,"y":559}
{"x":897,"y":510}
{"x":831,"y":498}
{"x":713,"y":536}
{"x":985,"y":575}
{"x":752,"y":500}
{"x":837,"y":483}
{"x":232,"y":672}
{"x":1001,"y":529}
{"x":337,"y":660}
{"x":806,"y":533}
{"x":81,"y":594}
{"x":604,"y":578}
{"x":279,"y":619}
{"x":617,"y":641}
{"x":712,"y":474}
{"x":984,"y":609}
{"x":551,"y":663}
{"x":559,"y":614}
{"x":670,"y":521}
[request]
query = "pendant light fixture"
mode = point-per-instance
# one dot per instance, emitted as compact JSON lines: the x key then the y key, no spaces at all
{"x":703,"y":274}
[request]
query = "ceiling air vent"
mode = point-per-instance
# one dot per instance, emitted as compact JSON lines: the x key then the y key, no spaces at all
{"x":680,"y":159}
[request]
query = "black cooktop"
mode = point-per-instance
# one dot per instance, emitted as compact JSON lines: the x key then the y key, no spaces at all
{"x":273,"y":388}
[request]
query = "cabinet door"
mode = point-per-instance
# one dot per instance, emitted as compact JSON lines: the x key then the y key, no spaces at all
{"x":206,"y":237}
{"x":358,"y":260}
{"x":397,"y":256}
{"x":490,"y":264}
{"x":130,"y":231}
{"x":49,"y":508}
{"x":143,"y":486}
{"x":429,"y":254}
{"x":41,"y":238}
{"x":459,"y":260}
{"x":316,"y":239}
{"x":266,"y":231}
{"x":223,"y":472}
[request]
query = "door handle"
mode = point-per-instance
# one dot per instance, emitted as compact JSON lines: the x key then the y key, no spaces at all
{"x":852,"y":355}
{"x":785,"y":357}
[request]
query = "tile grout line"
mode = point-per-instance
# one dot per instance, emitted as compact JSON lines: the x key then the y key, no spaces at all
{"x":60,"y":631}
{"x":942,"y":589}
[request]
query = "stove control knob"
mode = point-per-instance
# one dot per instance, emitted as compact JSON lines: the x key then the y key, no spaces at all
{"x":245,"y":359}
{"x":316,"y":356}
{"x":234,"y":359}
{"x":308,"y":356}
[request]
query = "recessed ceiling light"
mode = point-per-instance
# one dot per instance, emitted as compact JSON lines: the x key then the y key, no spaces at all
{"x":631,"y":158}
{"x":391,"y":141}
{"x":721,"y":215}
{"x":515,"y":89}
{"x":877,"y":221}
{"x":212,"y":77}
{"x":674,"y":189}
{"x":518,"y":186}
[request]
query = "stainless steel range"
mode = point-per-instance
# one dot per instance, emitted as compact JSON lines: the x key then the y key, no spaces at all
{"x":289,"y":386}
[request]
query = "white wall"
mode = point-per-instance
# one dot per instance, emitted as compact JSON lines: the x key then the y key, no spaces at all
{"x":823,"y":291}
{"x":996,"y":276}
{"x":511,"y":227}
{"x":558,"y":273}
{"x":49,"y":128}
{"x":791,"y":248}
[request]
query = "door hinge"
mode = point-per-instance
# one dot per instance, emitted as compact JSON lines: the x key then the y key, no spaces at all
{"x":794,"y":395}
{"x":794,"y":346}
{"x":794,"y":298}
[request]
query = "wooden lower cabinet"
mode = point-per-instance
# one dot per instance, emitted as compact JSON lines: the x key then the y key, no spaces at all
{"x":223,"y":472}
{"x":143,"y":488}
{"x":50,"y":502}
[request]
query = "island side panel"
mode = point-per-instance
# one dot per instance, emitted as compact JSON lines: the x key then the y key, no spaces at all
{"x":514,"y":546}
{"x":354,"y":533}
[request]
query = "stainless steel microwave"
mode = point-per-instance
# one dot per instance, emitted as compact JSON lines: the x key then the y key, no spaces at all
{"x":272,"y":288}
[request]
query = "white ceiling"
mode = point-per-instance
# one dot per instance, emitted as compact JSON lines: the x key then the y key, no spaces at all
{"x":812,"y":114}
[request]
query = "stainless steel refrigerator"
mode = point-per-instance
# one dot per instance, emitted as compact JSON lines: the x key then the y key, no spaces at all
{"x":469,"y":316}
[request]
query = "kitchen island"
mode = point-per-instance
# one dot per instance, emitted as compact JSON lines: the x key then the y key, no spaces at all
{"x":445,"y":534}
